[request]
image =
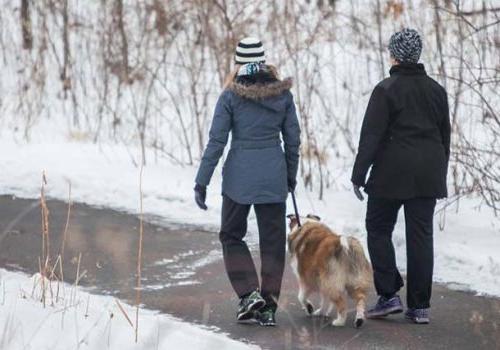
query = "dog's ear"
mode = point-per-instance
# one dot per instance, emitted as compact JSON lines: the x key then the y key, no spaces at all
{"x":313,"y":217}
{"x":293,"y":221}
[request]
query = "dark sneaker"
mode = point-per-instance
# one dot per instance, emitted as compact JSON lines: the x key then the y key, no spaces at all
{"x":248,"y":305}
{"x":418,"y":316}
{"x":251,"y":318}
{"x":266,"y":317}
{"x":385,"y":307}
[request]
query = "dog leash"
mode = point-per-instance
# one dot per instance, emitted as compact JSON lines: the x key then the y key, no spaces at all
{"x":295,"y":208}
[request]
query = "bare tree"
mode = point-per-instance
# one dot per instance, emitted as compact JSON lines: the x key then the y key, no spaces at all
{"x":149,"y":72}
{"x":26,"y":25}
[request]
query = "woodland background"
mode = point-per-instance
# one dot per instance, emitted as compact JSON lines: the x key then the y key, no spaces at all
{"x":147,"y":73}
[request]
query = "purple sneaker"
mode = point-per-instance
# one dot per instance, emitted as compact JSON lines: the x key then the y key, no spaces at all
{"x":385,"y":307}
{"x":418,"y":316}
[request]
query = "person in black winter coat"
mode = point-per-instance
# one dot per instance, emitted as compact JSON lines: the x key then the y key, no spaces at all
{"x":405,"y":139}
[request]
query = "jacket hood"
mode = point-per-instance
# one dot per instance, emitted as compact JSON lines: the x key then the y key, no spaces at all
{"x":260,"y":91}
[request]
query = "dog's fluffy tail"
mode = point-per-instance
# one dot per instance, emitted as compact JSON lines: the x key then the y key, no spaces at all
{"x":356,"y":254}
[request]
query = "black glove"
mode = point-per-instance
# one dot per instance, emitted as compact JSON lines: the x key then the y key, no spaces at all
{"x":357,"y":192}
{"x":200,"y":195}
{"x":292,"y":183}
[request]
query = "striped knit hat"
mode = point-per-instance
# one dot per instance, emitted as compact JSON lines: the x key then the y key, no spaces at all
{"x":406,"y":46}
{"x":249,"y":50}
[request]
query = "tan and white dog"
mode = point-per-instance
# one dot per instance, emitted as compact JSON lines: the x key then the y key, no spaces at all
{"x":330,"y":265}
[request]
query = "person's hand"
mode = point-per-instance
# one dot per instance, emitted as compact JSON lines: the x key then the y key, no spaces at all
{"x":291,"y":185}
{"x":357,"y":192}
{"x":200,"y":195}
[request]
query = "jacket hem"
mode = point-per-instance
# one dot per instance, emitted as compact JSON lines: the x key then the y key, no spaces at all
{"x":254,"y":201}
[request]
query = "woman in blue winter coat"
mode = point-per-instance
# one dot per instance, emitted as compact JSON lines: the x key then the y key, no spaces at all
{"x":256,"y":107}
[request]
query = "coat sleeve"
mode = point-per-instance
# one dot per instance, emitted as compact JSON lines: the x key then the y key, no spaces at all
{"x":446,"y":128}
{"x":373,"y":131}
{"x":219,"y":132}
{"x":291,"y":139}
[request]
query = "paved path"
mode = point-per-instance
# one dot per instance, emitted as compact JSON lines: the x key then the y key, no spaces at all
{"x":183,"y":276}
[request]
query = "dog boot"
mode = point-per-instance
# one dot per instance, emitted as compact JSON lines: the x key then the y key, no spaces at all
{"x":385,"y":306}
{"x":266,"y":317}
{"x":248,"y":305}
{"x":418,"y":316}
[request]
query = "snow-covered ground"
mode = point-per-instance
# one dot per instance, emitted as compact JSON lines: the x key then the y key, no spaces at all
{"x":466,"y":249}
{"x":466,"y":240}
{"x":79,"y":320}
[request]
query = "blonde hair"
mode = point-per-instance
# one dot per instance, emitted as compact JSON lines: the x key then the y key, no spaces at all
{"x":232,"y":75}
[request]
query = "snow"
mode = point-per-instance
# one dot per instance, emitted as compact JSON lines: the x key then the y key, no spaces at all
{"x":466,"y":248}
{"x":86,"y":321}
{"x":82,"y":320}
{"x":101,"y":175}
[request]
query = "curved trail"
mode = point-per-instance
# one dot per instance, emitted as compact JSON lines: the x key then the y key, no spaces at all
{"x":184,"y":276}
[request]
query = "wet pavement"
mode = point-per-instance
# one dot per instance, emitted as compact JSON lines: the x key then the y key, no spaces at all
{"x":184,"y":276}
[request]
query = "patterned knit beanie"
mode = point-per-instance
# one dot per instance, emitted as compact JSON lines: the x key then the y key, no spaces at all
{"x":249,"y":50}
{"x":406,"y":46}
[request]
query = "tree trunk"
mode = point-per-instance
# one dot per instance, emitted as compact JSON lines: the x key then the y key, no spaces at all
{"x":26,"y":25}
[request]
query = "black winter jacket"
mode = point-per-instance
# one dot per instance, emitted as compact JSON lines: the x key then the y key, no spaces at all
{"x":405,"y":137}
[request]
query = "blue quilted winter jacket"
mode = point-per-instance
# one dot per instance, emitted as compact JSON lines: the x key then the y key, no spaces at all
{"x":257,"y":166}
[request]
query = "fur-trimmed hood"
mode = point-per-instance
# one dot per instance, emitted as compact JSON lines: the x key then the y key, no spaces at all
{"x":260,"y":91}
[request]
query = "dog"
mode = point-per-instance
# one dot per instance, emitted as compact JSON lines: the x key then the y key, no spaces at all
{"x":330,"y":265}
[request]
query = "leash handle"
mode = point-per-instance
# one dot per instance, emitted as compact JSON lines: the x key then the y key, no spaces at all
{"x":295,"y":208}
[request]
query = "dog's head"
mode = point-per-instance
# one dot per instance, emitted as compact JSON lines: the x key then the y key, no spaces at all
{"x":294,"y":229}
{"x":292,"y":220}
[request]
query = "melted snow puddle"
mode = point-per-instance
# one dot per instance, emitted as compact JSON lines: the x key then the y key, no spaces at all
{"x":168,"y":285}
{"x":179,"y":270}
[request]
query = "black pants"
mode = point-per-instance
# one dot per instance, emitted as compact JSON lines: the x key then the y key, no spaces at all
{"x":381,"y":217}
{"x":240,"y":268}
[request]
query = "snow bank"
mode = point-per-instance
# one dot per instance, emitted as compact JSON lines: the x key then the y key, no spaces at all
{"x":88,"y":321}
{"x":466,"y":249}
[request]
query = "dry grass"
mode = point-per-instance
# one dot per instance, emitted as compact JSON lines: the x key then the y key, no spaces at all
{"x":48,"y":286}
{"x":313,"y":152}
{"x":139,"y":254}
{"x":63,"y":243}
{"x":124,"y":313}
{"x":79,"y":136}
{"x":51,"y":271}
{"x":43,"y":264}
